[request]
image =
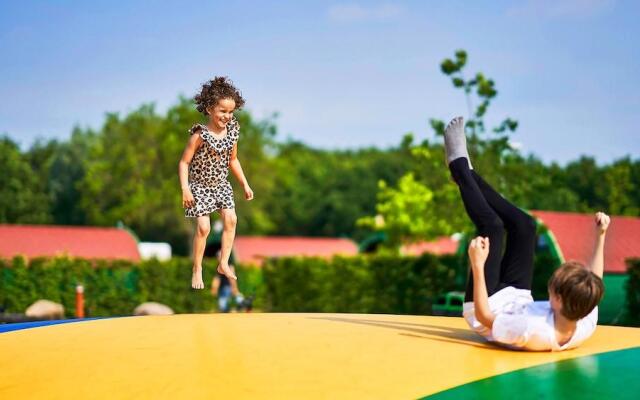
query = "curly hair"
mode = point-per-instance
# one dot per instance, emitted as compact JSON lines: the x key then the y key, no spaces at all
{"x":219,"y":88}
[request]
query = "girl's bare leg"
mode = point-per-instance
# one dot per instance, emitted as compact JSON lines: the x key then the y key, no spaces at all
{"x":199,"y":242}
{"x":229,"y":220}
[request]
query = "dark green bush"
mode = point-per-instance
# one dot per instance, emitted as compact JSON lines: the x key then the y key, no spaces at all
{"x":111,"y":287}
{"x":361,"y":284}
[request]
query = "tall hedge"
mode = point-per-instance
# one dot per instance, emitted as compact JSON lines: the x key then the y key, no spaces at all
{"x":361,"y":284}
{"x":111,"y":287}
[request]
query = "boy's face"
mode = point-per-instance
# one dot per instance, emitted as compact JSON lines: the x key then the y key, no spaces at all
{"x":221,"y":113}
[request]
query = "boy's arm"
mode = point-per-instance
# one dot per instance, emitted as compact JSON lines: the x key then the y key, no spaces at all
{"x":478,"y":253}
{"x":597,"y":260}
{"x":236,"y":169}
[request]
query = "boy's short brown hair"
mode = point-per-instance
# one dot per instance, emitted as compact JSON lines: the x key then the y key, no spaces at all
{"x":579,"y":289}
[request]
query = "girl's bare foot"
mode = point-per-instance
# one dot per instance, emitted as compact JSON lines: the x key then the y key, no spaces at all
{"x":225,"y":270}
{"x":196,"y":278}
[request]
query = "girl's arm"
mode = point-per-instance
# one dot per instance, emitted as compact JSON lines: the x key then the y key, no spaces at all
{"x":236,"y":168}
{"x":183,"y":169}
{"x":597,"y":260}
{"x":478,"y":253}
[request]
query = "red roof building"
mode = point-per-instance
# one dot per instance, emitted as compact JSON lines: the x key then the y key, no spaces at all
{"x":575,"y":235}
{"x":254,"y":249}
{"x":84,"y":242}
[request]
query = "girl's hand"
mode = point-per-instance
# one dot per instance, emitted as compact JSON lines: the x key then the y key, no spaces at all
{"x":478,"y":252}
{"x":602,"y":222}
{"x":187,"y":198}
{"x":248,"y":193}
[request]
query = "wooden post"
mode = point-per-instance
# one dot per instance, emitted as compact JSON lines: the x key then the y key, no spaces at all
{"x":79,"y":301}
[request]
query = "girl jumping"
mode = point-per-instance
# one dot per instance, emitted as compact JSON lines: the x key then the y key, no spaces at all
{"x":203,"y":169}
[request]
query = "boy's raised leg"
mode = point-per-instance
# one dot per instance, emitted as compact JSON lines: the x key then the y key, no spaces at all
{"x":487,"y":222}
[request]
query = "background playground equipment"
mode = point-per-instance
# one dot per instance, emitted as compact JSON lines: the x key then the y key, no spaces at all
{"x":449,"y":304}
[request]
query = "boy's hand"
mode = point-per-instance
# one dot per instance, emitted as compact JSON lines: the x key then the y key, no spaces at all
{"x":602,"y":222}
{"x":187,"y":198}
{"x":248,"y":193}
{"x":478,"y":252}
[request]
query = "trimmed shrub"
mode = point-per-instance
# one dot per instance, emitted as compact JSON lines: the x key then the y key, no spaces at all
{"x":361,"y":284}
{"x":111,"y":287}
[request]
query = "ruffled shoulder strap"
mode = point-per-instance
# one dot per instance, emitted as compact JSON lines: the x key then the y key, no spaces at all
{"x":204,"y":133}
{"x":233,"y":129}
{"x":197,"y":127}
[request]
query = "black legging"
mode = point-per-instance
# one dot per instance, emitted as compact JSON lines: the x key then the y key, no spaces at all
{"x":492,"y":214}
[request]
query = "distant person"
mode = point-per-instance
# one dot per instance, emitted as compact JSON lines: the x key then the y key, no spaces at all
{"x":226,"y":290}
{"x":204,"y":167}
{"x":498,"y":303}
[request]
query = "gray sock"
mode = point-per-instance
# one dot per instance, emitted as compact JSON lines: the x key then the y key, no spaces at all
{"x":455,"y":141}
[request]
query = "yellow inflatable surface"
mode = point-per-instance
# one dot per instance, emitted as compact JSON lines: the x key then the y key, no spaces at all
{"x":263,"y":356}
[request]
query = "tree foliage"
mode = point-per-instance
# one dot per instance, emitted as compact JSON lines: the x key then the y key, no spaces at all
{"x":126,"y":171}
{"x":22,"y":195}
{"x":425,"y":204}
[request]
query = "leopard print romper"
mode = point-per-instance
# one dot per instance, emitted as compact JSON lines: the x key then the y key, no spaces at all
{"x":209,"y":169}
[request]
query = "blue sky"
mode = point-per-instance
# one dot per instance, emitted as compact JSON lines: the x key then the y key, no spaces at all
{"x":340,"y":74}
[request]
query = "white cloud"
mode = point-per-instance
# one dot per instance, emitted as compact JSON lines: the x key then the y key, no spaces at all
{"x":560,"y":8}
{"x":355,"y":12}
{"x":516,"y":145}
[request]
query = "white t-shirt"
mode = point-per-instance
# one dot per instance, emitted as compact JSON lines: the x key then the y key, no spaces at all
{"x":522,"y":323}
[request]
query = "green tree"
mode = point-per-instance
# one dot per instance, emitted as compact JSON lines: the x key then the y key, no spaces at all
{"x":530,"y":184}
{"x":61,"y":166}
{"x":617,"y":187}
{"x":442,"y":212}
{"x":323,"y":193}
{"x":131,"y":175}
{"x":484,"y":88}
{"x":22,"y":195}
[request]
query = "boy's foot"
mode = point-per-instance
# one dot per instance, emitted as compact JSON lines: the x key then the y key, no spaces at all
{"x":455,"y":141}
{"x":196,"y":278}
{"x":225,"y":270}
